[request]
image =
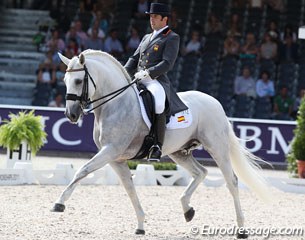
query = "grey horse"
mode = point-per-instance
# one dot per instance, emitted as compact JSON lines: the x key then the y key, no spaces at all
{"x":119,"y":131}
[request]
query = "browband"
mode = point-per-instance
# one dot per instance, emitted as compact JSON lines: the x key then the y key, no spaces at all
{"x":75,"y":70}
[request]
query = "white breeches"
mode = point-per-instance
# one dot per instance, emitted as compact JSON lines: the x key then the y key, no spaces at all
{"x":158,"y":92}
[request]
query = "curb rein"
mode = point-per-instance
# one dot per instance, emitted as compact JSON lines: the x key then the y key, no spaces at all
{"x":84,"y":99}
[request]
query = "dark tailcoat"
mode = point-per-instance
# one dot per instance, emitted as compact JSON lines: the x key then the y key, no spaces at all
{"x":158,"y":57}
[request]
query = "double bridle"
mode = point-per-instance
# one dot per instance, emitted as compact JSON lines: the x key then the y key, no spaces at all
{"x":84,"y":99}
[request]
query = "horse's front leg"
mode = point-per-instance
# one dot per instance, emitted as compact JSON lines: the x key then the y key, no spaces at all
{"x":123,"y":171}
{"x":104,"y":156}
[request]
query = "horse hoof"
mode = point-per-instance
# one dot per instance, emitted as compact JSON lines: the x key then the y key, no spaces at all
{"x":189,"y":214}
{"x":140,"y":232}
{"x":242,"y":235}
{"x":58,"y":207}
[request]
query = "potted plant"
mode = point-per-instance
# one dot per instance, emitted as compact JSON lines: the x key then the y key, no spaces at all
{"x":23,"y":134}
{"x":292,"y":165}
{"x":297,"y":154}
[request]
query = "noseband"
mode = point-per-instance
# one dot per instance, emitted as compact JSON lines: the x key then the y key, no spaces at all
{"x":84,"y":99}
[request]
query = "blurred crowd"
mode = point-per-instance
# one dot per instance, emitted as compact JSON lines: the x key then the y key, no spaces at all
{"x":91,"y":28}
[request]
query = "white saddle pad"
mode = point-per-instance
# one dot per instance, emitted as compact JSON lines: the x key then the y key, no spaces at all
{"x":179,"y":120}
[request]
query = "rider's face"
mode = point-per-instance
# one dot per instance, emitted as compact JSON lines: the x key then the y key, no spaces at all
{"x":157,"y":22}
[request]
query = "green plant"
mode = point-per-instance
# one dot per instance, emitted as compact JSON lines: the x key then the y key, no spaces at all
{"x":22,"y":126}
{"x":298,"y":142}
{"x":132,"y":164}
{"x":158,"y":165}
{"x":292,"y":167}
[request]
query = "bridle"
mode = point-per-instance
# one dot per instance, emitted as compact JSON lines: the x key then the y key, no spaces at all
{"x":84,"y":99}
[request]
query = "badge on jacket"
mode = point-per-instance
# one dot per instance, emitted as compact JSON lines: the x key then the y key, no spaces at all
{"x":156,"y":47}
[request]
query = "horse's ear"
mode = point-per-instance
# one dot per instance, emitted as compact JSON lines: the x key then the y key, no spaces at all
{"x":64,"y":59}
{"x":81,"y":59}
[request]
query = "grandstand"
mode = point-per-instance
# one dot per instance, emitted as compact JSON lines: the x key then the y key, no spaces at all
{"x":209,"y":71}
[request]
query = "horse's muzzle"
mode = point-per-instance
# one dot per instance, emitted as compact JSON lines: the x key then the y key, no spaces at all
{"x":73,"y":112}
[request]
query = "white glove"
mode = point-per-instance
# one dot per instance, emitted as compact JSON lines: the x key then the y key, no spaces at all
{"x":142,"y":75}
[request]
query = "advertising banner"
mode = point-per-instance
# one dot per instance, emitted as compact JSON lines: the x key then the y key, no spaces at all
{"x":267,"y":139}
{"x":62,"y":135}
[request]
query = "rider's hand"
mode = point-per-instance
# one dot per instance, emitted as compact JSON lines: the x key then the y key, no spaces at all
{"x":142,"y":75}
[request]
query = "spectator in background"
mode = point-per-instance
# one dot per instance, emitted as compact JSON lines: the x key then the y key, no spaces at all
{"x":88,"y":5}
{"x":71,"y":34}
{"x":256,"y":3}
{"x":277,"y":5}
{"x":175,"y":22}
{"x":72,"y":49}
{"x":297,"y":103}
{"x":140,"y":7}
{"x":268,"y":49}
{"x":113,"y":45}
{"x":288,"y":31}
{"x":48,"y":59}
{"x":60,"y":73}
{"x":231,"y":47}
{"x":249,"y":49}
{"x":46,"y":73}
{"x":213,"y":26}
{"x":239,"y":4}
{"x":57,"y":101}
{"x":288,"y":51}
{"x":56,"y":44}
{"x":234,"y":27}
{"x":245,"y":84}
{"x":283,"y":105}
{"x":101,"y":17}
{"x":96,"y":25}
{"x":194,"y":46}
{"x":272,"y":29}
{"x":265,"y":86}
{"x":133,"y":41}
{"x":94,"y":42}
{"x":80,"y":33}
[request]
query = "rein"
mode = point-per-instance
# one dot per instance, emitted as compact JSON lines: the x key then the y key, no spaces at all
{"x":84,"y":99}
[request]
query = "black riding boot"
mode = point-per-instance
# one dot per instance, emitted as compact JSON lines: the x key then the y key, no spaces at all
{"x":155,"y":151}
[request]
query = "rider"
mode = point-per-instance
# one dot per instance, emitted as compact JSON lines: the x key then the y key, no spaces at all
{"x":154,"y":57}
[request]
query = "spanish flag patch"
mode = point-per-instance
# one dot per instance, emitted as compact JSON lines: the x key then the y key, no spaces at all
{"x":181,"y":119}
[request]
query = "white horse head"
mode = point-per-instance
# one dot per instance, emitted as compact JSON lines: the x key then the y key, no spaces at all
{"x":102,"y":75}
{"x":79,"y":89}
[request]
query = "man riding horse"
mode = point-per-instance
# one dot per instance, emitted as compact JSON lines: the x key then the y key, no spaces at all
{"x":154,"y":57}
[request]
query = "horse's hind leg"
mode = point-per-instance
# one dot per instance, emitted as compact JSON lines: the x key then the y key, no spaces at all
{"x":122,"y":169}
{"x":197,"y":171}
{"x":232,"y":184}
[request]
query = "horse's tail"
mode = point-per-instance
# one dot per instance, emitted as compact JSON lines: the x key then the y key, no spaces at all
{"x":247,"y":170}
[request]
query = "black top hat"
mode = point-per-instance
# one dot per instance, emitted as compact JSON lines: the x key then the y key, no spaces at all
{"x":159,"y":8}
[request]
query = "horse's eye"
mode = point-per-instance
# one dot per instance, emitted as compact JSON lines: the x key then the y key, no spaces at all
{"x":78,"y":81}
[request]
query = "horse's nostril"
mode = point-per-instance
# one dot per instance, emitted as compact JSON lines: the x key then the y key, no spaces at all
{"x":73,"y":116}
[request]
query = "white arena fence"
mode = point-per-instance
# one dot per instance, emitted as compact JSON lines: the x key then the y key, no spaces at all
{"x":144,"y":175}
